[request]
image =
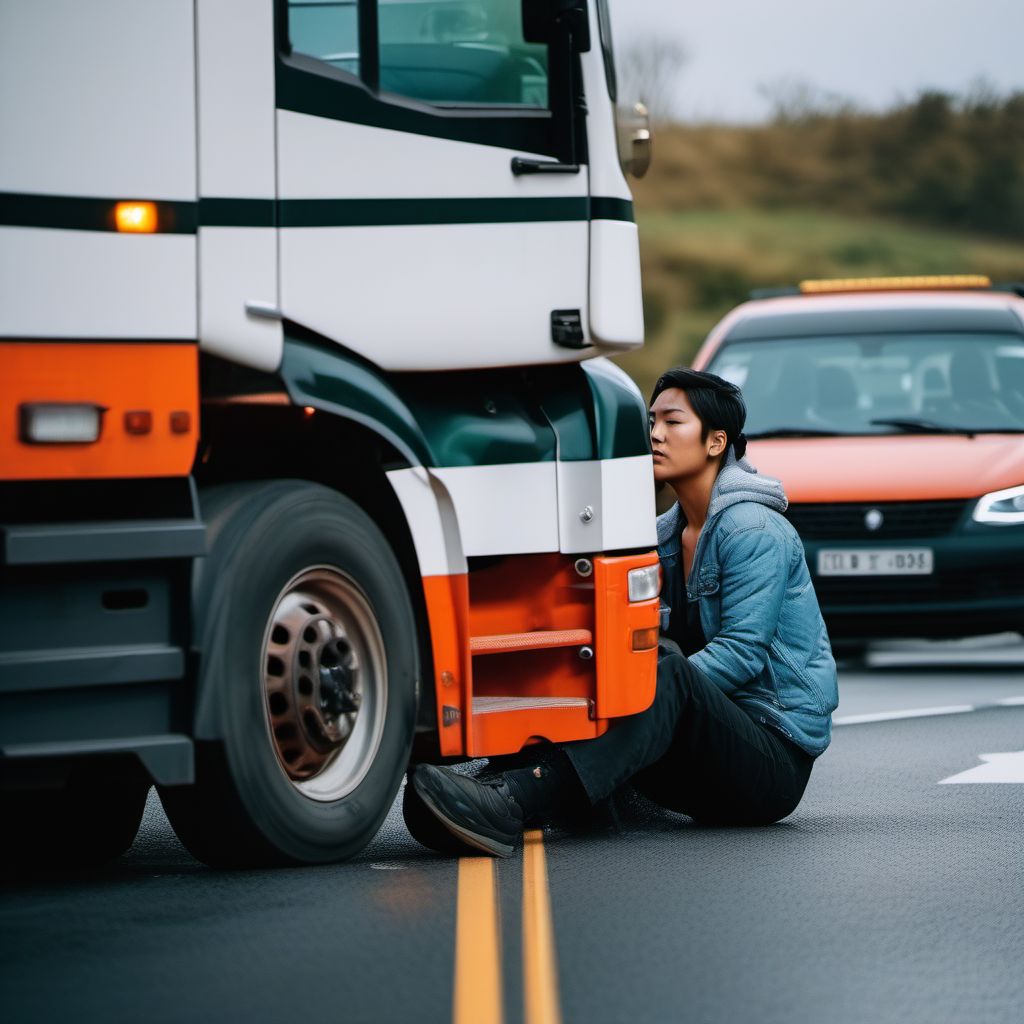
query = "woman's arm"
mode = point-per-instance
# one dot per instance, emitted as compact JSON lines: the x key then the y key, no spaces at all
{"x":753,"y":575}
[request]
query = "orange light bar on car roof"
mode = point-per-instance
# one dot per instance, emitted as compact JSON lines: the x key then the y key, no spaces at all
{"x":895,"y":284}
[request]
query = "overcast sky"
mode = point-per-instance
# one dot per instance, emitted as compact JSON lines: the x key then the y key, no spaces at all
{"x":872,"y":51}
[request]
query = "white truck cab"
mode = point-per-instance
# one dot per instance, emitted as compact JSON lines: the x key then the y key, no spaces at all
{"x":311,"y":450}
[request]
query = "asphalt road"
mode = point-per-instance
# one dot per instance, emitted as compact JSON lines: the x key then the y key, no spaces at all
{"x":886,"y":897}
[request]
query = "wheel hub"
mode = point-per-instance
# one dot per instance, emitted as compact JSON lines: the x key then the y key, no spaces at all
{"x":325,"y":677}
{"x":338,"y":693}
{"x":313,"y":684}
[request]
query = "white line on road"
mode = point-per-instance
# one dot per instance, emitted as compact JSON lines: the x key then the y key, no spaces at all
{"x":948,"y":709}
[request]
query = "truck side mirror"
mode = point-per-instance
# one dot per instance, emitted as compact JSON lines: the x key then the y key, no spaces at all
{"x":633,"y":128}
{"x":546,"y":20}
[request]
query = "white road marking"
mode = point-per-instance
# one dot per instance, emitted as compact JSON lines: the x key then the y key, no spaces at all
{"x":1008,"y":767}
{"x":948,"y":709}
{"x":888,"y":716}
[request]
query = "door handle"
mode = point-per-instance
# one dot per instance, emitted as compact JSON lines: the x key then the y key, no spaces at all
{"x":523,"y":165}
{"x":264,"y":310}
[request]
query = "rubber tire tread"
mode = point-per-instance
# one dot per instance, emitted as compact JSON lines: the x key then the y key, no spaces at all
{"x":242,"y":810}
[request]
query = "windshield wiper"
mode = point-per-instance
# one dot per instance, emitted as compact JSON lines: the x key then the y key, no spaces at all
{"x":792,"y":432}
{"x":912,"y":426}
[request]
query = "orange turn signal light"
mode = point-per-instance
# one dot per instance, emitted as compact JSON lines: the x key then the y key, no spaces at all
{"x":137,"y":218}
{"x":138,"y":421}
{"x":645,"y":639}
{"x":181,"y":421}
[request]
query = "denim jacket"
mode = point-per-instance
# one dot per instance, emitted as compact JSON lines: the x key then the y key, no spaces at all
{"x":767,"y":647}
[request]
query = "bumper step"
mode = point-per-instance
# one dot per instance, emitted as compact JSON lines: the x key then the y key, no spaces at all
{"x":503,"y":725}
{"x":493,"y":705}
{"x":541,"y":640}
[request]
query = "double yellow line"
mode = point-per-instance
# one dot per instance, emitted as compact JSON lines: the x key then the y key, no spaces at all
{"x":478,"y":989}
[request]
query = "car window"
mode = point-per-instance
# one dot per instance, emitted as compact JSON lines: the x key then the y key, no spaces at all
{"x":846,"y":385}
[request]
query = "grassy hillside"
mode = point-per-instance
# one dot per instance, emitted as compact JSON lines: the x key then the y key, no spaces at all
{"x":725,"y":209}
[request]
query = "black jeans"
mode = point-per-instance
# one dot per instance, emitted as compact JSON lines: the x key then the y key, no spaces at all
{"x":695,"y":751}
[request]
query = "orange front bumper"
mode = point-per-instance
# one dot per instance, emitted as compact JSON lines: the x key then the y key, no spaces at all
{"x":528,"y":649}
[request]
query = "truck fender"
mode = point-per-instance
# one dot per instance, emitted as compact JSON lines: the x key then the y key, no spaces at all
{"x":329,"y":378}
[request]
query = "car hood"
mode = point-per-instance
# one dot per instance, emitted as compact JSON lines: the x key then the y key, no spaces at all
{"x":891,"y":468}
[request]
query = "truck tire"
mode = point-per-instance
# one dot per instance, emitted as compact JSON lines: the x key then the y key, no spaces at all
{"x":309,"y":668}
{"x":88,"y":822}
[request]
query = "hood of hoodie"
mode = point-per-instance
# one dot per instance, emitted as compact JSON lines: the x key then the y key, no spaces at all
{"x":737,"y":481}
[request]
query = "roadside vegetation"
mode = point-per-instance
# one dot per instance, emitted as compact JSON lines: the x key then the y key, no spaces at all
{"x":934,"y":186}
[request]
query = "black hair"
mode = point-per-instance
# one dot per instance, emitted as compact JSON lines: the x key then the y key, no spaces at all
{"x":718,"y":404}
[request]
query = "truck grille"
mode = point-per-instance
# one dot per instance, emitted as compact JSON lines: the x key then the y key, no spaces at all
{"x":899,"y":519}
{"x":962,"y":585}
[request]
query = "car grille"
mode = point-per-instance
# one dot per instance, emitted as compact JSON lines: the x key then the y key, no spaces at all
{"x":959,"y":585}
{"x":900,"y":519}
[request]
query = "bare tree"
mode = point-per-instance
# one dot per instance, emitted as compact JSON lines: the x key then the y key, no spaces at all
{"x":797,"y":101}
{"x":648,"y":68}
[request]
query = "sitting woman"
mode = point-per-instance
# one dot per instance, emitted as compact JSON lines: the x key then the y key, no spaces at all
{"x":746,"y":680}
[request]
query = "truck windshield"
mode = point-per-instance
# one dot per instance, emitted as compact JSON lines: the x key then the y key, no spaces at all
{"x":878,"y":384}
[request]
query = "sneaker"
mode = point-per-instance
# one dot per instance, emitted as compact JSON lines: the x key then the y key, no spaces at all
{"x":482,"y":815}
{"x":424,"y":827}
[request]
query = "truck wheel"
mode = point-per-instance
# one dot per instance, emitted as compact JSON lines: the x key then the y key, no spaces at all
{"x":89,"y":821}
{"x":309,"y":669}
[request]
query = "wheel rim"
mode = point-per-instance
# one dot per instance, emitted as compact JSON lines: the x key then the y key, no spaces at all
{"x":324,"y":683}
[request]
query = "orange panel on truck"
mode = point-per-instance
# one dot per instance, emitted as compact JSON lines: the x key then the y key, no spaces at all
{"x":158,"y":378}
{"x":529,"y":648}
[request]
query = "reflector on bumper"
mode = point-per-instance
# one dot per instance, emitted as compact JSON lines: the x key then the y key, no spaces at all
{"x":645,"y":639}
{"x":60,"y":422}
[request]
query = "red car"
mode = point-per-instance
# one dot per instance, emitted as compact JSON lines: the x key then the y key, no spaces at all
{"x":893,"y":412}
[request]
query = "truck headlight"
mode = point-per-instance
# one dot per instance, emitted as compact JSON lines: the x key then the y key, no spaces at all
{"x":644,"y":583}
{"x":1001,"y":507}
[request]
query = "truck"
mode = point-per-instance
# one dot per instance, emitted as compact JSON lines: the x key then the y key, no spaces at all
{"x":313,"y":463}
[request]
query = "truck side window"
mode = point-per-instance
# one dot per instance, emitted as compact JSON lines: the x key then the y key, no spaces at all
{"x":460,"y":53}
{"x":327,"y":30}
{"x":449,"y":69}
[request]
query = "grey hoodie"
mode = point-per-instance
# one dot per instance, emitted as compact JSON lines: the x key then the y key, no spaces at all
{"x":737,"y":481}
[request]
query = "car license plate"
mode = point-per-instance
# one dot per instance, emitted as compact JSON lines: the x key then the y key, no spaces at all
{"x":875,"y":562}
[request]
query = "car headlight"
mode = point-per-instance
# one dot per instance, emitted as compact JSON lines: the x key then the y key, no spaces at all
{"x":1001,"y":507}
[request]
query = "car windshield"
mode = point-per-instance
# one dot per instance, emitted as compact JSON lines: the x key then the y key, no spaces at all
{"x":878,"y":383}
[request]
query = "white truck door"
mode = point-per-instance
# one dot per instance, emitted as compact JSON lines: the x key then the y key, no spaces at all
{"x":405,"y":232}
{"x":238,"y":291}
{"x":616,"y":299}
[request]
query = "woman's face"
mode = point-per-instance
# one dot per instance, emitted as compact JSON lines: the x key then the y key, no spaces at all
{"x":679,"y":450}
